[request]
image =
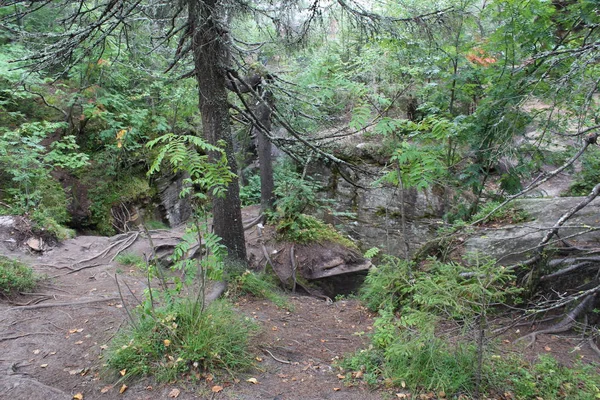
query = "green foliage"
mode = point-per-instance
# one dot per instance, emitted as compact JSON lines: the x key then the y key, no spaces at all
{"x":295,"y":196}
{"x":131,"y":260}
{"x":15,"y":277}
{"x":260,"y":285}
{"x":250,"y":194}
{"x":181,"y":340}
{"x":509,"y":214}
{"x":545,"y":378}
{"x":190,"y":153}
{"x":408,"y":344}
{"x":588,"y":177}
{"x":304,"y":229}
{"x":105,"y":193}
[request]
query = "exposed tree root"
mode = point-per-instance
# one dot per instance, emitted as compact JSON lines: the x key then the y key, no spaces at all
{"x":594,"y":346}
{"x":565,"y":324}
{"x":275,"y":358}
{"x":254,"y":222}
{"x":5,"y":338}
{"x":63,"y":304}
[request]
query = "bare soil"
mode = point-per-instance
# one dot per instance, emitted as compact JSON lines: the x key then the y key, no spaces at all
{"x":52,"y":342}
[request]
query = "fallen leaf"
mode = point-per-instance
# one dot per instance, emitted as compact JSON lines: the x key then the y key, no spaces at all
{"x":105,"y":389}
{"x":123,"y":389}
{"x":52,"y":353}
{"x":79,"y":342}
{"x":252,"y":380}
{"x":104,"y":347}
{"x":402,"y":395}
{"x":403,"y":384}
{"x":44,"y":365}
{"x":119,"y":306}
{"x":336,"y":389}
{"x":340,"y":376}
{"x":217,"y":389}
{"x":123,"y":372}
{"x":259,"y":359}
{"x":274,"y":328}
{"x":78,"y":396}
{"x":358,"y":374}
{"x":547,"y":348}
{"x":174,"y":393}
{"x":36,"y":351}
{"x":167,"y":342}
{"x":441,"y":394}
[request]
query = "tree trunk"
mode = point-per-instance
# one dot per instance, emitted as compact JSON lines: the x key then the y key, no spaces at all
{"x":267,"y":185}
{"x":211,"y":57}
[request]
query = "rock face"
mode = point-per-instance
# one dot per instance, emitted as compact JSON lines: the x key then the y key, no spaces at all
{"x":511,"y":244}
{"x":375,"y":211}
{"x":175,"y":209}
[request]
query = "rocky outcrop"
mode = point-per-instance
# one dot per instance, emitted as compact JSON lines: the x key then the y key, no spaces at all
{"x":511,"y":244}
{"x":175,"y":209}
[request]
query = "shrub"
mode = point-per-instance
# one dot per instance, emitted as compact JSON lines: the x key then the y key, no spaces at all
{"x":15,"y":276}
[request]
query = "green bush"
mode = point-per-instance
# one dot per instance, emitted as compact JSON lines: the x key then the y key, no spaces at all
{"x":250,"y":194}
{"x":15,"y":277}
{"x":303,"y":228}
{"x":181,"y":339}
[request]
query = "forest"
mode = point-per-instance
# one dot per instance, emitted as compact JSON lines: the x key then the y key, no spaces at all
{"x":299,"y":199}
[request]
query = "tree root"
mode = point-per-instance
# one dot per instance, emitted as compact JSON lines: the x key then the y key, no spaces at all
{"x":5,"y":338}
{"x":63,"y":304}
{"x":565,"y":324}
{"x":275,"y":358}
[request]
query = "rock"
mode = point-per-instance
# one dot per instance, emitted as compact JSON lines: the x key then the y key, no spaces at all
{"x":515,"y":243}
{"x":35,"y":244}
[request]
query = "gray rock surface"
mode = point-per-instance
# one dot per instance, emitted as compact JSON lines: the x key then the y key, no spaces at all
{"x":515,"y":243}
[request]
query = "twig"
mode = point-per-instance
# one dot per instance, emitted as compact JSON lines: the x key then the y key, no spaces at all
{"x":5,"y":338}
{"x":275,"y":358}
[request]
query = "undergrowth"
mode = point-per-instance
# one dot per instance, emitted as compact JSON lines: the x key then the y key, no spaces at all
{"x":260,"y":285}
{"x":431,"y":335}
{"x":15,"y":277}
{"x":183,"y":340}
{"x":129,"y":259}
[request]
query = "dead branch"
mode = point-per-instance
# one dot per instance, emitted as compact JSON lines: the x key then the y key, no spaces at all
{"x":566,"y":323}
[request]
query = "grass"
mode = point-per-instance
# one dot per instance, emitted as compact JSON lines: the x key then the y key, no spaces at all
{"x":15,"y":277}
{"x":259,"y":285}
{"x":131,"y":260}
{"x":180,"y":340}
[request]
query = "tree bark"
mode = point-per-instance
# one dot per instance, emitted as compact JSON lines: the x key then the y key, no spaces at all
{"x":267,"y":184}
{"x":211,"y":57}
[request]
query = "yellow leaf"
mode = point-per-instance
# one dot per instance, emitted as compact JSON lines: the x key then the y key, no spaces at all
{"x":167,"y":342}
{"x":340,"y":376}
{"x":358,"y":374}
{"x":123,"y":389}
{"x":547,"y":348}
{"x":174,"y":393}
{"x":336,"y":389}
{"x":105,"y":389}
{"x":78,"y":396}
{"x":123,"y":372}
{"x":217,"y":389}
{"x":252,"y":380}
{"x":258,"y":359}
{"x":403,"y":384}
{"x":401,"y":396}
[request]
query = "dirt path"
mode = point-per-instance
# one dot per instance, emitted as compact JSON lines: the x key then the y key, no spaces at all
{"x":52,"y":341}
